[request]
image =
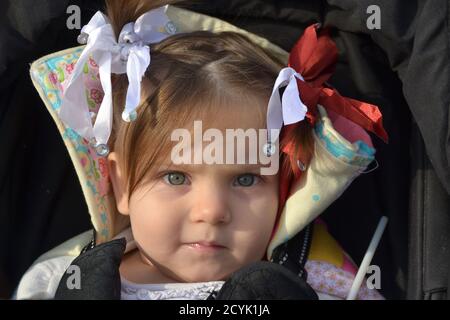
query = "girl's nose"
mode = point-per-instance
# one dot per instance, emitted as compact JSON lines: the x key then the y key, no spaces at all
{"x":210,"y":206}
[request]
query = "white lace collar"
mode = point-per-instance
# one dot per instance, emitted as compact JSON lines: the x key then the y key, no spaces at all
{"x":169,"y":291}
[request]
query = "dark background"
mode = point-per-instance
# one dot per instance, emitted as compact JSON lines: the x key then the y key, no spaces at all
{"x":403,"y":68}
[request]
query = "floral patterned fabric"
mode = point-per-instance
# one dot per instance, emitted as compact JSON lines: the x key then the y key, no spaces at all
{"x":50,"y":74}
{"x":324,"y":277}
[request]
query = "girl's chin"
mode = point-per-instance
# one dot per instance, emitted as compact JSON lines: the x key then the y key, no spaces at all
{"x":205,"y":277}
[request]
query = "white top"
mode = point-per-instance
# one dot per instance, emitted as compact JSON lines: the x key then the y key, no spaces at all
{"x":169,"y":291}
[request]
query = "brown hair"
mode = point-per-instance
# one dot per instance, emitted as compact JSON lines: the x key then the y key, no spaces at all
{"x":185,"y":69}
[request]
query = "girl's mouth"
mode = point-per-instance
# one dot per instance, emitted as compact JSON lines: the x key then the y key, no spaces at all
{"x":205,"y":246}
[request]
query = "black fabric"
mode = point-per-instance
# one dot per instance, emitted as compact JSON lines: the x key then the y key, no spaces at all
{"x":404,"y":68}
{"x":265,"y":281}
{"x":99,"y":274}
{"x":429,"y":229}
{"x":293,"y":254}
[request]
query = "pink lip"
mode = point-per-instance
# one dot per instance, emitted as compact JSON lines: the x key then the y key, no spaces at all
{"x":205,"y":246}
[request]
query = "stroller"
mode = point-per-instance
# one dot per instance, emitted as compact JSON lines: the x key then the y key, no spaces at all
{"x":410,"y":187}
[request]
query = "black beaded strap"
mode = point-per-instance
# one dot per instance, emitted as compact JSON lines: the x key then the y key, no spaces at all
{"x":293,"y":254}
{"x":213,"y":295}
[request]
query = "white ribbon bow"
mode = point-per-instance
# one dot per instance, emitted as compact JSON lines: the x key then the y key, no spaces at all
{"x":130,"y":55}
{"x":288,"y":109}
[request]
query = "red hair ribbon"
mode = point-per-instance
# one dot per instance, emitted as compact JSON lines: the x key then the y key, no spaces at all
{"x":314,"y":56}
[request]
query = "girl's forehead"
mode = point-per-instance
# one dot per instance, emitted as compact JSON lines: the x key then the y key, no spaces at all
{"x":245,"y":112}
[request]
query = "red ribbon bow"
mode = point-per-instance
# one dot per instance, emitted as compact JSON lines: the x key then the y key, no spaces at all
{"x":314,"y":56}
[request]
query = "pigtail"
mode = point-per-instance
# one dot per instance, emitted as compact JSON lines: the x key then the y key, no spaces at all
{"x":296,"y":152}
{"x":121,"y":12}
{"x":297,"y":146}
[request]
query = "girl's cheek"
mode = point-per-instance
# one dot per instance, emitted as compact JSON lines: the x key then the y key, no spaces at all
{"x":163,"y":190}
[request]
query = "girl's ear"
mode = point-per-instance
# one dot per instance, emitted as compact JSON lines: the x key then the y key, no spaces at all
{"x":119,"y":183}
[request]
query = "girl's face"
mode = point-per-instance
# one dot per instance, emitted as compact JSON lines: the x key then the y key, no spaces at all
{"x":202,"y":222}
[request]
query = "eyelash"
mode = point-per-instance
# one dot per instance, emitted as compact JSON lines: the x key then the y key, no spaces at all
{"x":163,"y":175}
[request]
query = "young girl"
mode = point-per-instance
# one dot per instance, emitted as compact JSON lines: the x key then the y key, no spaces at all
{"x":188,"y":230}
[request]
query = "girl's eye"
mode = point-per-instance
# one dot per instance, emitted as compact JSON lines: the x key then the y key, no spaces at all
{"x":175,"y":178}
{"x":246,"y":180}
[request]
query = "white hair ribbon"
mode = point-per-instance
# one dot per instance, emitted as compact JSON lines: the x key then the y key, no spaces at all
{"x":130,"y":55}
{"x":288,"y":109}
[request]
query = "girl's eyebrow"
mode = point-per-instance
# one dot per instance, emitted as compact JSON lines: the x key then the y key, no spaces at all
{"x":199,"y":167}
